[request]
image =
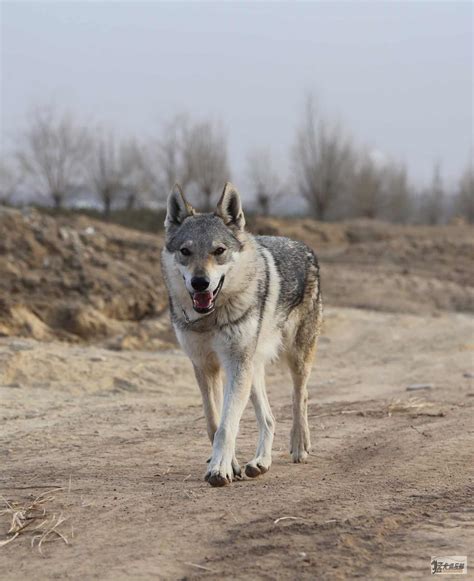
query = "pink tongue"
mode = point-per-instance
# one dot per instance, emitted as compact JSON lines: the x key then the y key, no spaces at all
{"x":202,"y":300}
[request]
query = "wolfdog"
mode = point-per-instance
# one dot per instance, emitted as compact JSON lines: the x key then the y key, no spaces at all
{"x":236,"y":302}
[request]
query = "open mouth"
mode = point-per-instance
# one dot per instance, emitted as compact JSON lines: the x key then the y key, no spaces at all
{"x":204,"y":302}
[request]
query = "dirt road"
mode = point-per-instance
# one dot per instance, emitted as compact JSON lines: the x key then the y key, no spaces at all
{"x":389,"y":483}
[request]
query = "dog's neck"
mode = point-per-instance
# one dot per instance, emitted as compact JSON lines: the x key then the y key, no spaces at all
{"x":201,"y":325}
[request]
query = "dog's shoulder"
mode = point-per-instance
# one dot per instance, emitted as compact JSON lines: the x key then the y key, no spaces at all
{"x":289,"y":255}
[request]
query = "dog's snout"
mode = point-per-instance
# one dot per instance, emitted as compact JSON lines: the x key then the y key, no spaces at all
{"x":200,"y":283}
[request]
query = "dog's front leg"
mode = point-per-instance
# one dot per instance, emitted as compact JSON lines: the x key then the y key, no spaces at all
{"x":210,"y":384}
{"x":236,"y":395}
{"x":209,"y":381}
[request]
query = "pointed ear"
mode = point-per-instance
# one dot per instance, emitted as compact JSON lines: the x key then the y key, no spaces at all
{"x":178,"y":208}
{"x":229,"y":207}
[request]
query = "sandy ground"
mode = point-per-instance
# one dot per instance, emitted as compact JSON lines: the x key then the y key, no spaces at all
{"x":388,"y":485}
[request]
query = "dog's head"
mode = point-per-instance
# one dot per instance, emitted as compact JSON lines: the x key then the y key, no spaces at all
{"x":205,"y":246}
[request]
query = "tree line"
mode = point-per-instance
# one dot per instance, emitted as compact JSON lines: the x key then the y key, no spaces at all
{"x":62,"y":162}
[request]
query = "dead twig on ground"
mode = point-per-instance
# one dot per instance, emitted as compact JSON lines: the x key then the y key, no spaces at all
{"x":282,"y":518}
{"x":200,"y":567}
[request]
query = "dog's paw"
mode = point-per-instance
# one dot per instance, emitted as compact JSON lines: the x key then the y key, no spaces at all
{"x":300,"y":444}
{"x":257,"y":467}
{"x":221,"y":472}
{"x":218,"y":479}
{"x":235,"y":468}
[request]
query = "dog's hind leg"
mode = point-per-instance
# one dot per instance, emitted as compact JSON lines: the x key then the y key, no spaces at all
{"x":266,"y":425}
{"x":300,"y":359}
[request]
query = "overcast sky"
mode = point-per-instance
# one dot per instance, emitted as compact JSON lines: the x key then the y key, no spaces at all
{"x":398,"y":75}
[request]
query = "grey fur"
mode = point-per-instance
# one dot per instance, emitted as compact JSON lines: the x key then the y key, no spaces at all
{"x":294,"y":260}
{"x":263,"y":289}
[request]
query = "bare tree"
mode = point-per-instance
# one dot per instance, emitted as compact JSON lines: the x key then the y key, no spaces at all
{"x":432,"y":205}
{"x":10,"y":180}
{"x":171,"y":166}
{"x":205,"y":160}
{"x":105,"y":169}
{"x":264,"y":179}
{"x":51,"y":152}
{"x":323,"y":161}
{"x":399,"y":197}
{"x":138,"y":181}
{"x":193,"y":154}
{"x":367,"y":188}
{"x":465,"y":195}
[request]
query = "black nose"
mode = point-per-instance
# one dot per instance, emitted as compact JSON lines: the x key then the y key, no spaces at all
{"x":199,"y":283}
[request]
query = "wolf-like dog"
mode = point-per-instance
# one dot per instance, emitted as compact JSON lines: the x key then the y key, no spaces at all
{"x":237,"y":301}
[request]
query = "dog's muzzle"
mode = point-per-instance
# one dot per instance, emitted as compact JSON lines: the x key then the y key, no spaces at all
{"x":204,"y":301}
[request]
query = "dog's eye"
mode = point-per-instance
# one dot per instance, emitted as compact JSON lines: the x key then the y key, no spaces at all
{"x":185,"y":252}
{"x":219,"y":251}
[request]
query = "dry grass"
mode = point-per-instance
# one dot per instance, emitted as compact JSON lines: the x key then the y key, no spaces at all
{"x":35,"y":519}
{"x":414,"y":407}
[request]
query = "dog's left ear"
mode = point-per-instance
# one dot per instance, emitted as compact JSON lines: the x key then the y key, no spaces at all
{"x":229,"y":207}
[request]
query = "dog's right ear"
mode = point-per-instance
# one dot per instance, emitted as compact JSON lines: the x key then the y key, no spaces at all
{"x":178,"y":208}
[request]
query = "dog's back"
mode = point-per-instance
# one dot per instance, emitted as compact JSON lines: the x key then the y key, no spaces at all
{"x":296,"y":264}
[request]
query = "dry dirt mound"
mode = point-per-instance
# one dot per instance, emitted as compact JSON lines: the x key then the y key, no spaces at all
{"x":75,"y":278}
{"x":79,"y":279}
